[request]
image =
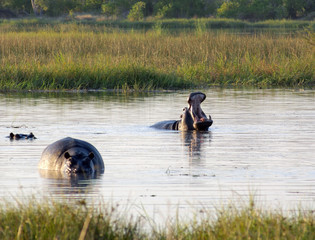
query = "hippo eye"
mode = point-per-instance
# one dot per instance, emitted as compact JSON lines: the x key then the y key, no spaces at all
{"x":67,"y":155}
{"x":91,"y":155}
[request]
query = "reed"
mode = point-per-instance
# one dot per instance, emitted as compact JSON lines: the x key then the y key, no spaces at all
{"x":98,"y":22}
{"x":60,"y":220}
{"x":62,"y":56}
{"x":49,"y":219}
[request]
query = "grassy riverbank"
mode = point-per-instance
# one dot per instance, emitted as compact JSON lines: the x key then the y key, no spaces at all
{"x":98,"y":21}
{"x":59,"y":55}
{"x":55,"y":220}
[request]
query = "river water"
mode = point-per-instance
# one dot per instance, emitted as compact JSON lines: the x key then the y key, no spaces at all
{"x":262,"y":144}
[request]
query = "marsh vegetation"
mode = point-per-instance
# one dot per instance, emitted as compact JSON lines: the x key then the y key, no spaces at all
{"x":69,"y":55}
{"x":50,"y":219}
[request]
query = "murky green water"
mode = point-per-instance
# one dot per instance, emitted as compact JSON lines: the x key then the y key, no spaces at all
{"x":262,"y":142}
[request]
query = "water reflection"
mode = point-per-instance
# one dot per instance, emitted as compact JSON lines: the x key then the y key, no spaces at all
{"x":64,"y":184}
{"x":195,"y":141}
{"x":260,"y":139}
{"x":77,"y":96}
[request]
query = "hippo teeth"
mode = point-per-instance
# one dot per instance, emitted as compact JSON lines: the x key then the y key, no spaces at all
{"x":198,"y":116}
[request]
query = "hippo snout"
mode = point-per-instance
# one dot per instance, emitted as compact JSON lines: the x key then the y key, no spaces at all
{"x":79,"y":163}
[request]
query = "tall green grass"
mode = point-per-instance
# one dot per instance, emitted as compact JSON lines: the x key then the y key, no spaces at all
{"x":71,"y":56}
{"x":98,"y":21}
{"x":48,"y":219}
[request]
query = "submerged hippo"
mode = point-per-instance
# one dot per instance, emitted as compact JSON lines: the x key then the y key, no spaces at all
{"x":72,"y":156}
{"x":19,"y":136}
{"x":193,"y":118}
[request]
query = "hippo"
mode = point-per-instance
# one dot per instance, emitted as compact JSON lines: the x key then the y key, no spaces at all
{"x":193,"y":118}
{"x":20,"y":136}
{"x":72,"y":156}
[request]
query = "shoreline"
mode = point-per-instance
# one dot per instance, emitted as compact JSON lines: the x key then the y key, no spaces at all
{"x":62,"y":219}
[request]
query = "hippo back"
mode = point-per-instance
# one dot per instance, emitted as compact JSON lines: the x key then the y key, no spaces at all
{"x":53,"y":155}
{"x":169,"y":124}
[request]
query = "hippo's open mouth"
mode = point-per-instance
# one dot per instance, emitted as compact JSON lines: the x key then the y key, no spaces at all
{"x":201,"y":121}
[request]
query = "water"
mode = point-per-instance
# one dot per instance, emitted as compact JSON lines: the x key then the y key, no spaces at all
{"x":262,"y":143}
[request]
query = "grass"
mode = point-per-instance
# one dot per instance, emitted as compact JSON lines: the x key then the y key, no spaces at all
{"x":58,"y":55}
{"x":50,"y":219}
{"x":55,"y":220}
{"x":101,"y":21}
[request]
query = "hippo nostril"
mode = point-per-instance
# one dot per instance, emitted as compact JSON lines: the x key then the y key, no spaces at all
{"x":72,"y":162}
{"x":86,"y":163}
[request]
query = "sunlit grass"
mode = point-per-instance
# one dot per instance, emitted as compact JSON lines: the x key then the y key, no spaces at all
{"x":61,"y":56}
{"x":60,"y":220}
{"x":96,"y":22}
{"x":49,"y":219}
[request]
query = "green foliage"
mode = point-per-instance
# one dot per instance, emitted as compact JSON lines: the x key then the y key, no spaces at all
{"x":39,"y":54}
{"x":109,"y":9}
{"x":240,"y":9}
{"x":116,"y":8}
{"x":163,"y":11}
{"x":16,"y":5}
{"x":201,"y":27}
{"x":72,"y":219}
{"x":92,"y":5}
{"x":157,"y":28}
{"x":136,"y":12}
{"x":309,"y":36}
{"x":56,"y":7}
{"x":229,"y":9}
{"x":181,"y":8}
{"x":265,"y":9}
{"x":64,"y":220}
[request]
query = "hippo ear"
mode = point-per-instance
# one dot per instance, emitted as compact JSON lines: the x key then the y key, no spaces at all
{"x":67,"y":155}
{"x":91,"y":155}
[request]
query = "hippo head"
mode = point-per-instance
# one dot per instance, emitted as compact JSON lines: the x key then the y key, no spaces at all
{"x":193,"y":117}
{"x":77,"y":162}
